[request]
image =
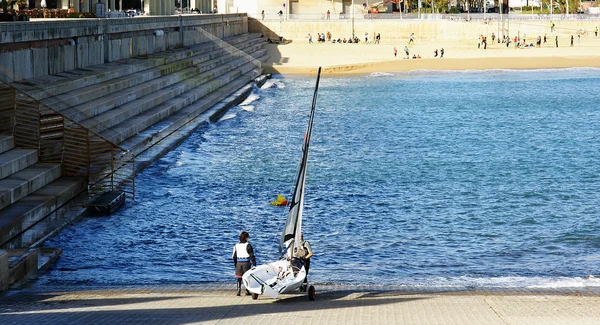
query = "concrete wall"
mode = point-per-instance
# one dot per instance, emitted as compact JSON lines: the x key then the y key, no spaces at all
{"x":33,"y":49}
{"x":398,"y":31}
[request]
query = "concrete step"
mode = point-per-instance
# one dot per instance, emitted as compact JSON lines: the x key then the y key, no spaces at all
{"x":27,"y":181}
{"x":68,"y":81}
{"x":106,"y":96}
{"x":6,"y":143}
{"x":19,"y":265}
{"x":120,"y":114}
{"x":184,"y":121}
{"x":140,"y":122}
{"x":26,"y":212}
{"x":15,"y":160}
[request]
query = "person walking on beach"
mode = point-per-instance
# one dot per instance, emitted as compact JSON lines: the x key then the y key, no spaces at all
{"x":596,"y":31}
{"x":263,"y":15}
{"x":304,"y":253}
{"x":309,"y":39}
{"x":571,"y":40}
{"x":442,"y":53}
{"x":328,"y":14}
{"x":545,"y":39}
{"x":366,"y":38}
{"x":243,"y":259}
{"x":412,"y":38}
{"x":435,"y":53}
{"x":377,"y":38}
{"x":395,"y":52}
{"x":556,"y":40}
{"x":551,"y":27}
{"x":406,"y":51}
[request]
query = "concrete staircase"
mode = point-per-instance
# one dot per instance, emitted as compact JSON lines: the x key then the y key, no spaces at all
{"x":135,"y":103}
{"x":121,"y":99}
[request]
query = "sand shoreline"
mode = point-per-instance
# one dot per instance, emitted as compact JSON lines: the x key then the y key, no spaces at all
{"x":454,"y":64}
{"x":359,"y":59}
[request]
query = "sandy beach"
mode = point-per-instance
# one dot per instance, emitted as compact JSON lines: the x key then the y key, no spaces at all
{"x":301,"y":58}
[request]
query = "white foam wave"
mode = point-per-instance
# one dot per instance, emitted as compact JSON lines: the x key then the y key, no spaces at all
{"x":273,"y":84}
{"x":510,"y":282}
{"x":381,"y":74}
{"x":247,"y":108}
{"x":228,"y":116}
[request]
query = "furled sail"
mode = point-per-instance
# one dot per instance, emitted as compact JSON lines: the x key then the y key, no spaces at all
{"x":290,"y":238}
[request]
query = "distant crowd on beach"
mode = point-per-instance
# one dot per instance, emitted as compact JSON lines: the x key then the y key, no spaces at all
{"x":521,"y":42}
{"x":327,"y":38}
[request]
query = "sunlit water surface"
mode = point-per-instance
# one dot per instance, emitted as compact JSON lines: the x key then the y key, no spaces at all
{"x":423,"y":179}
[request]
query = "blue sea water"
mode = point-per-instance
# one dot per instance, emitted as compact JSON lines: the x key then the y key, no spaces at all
{"x":473,"y":178}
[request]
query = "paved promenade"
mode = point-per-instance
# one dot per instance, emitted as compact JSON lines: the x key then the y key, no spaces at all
{"x":217,"y":304}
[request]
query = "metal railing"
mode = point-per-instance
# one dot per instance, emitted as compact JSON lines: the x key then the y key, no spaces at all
{"x":58,"y":139}
{"x":364,"y":16}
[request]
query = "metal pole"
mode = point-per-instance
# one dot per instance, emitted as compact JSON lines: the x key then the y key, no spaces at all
{"x":352,"y":19}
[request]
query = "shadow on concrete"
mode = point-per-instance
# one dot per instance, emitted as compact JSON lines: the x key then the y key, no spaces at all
{"x":274,"y":40}
{"x":36,"y":309}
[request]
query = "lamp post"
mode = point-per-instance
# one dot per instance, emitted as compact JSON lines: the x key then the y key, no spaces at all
{"x":353,"y":19}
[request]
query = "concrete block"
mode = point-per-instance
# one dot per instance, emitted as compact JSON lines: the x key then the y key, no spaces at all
{"x":25,"y":267}
{"x":125,"y":48}
{"x":27,"y":181}
{"x":114,"y":52}
{"x":68,"y":57}
{"x":4,"y":275}
{"x":95,"y":53}
{"x":16,"y":160}
{"x":18,"y":217}
{"x":7,"y":73}
{"x":55,"y":60}
{"x":6,"y":143}
{"x":82,"y":55}
{"x":40,"y":62}
{"x":23,"y":64}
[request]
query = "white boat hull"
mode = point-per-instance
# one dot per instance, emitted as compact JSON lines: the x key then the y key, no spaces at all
{"x":273,"y":279}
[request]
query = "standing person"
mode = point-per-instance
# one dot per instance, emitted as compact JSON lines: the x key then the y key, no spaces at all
{"x":442,"y":53}
{"x":377,"y":38}
{"x":328,"y":14}
{"x":435,"y":53}
{"x":551,"y":27}
{"x":243,"y":259}
{"x":572,"y":40}
{"x":556,"y":40}
{"x":366,"y":38}
{"x":263,"y":15}
{"x":596,"y":31}
{"x":412,"y":38}
{"x":395,"y":52}
{"x":406,"y":51}
{"x":309,"y":39}
{"x":304,"y":253}
{"x":578,"y":39}
{"x":545,"y":39}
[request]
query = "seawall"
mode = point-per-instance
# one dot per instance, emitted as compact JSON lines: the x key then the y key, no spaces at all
{"x":40,"y":48}
{"x":398,"y":30}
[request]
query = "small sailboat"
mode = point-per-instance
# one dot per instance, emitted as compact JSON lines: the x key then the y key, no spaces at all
{"x":287,"y":275}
